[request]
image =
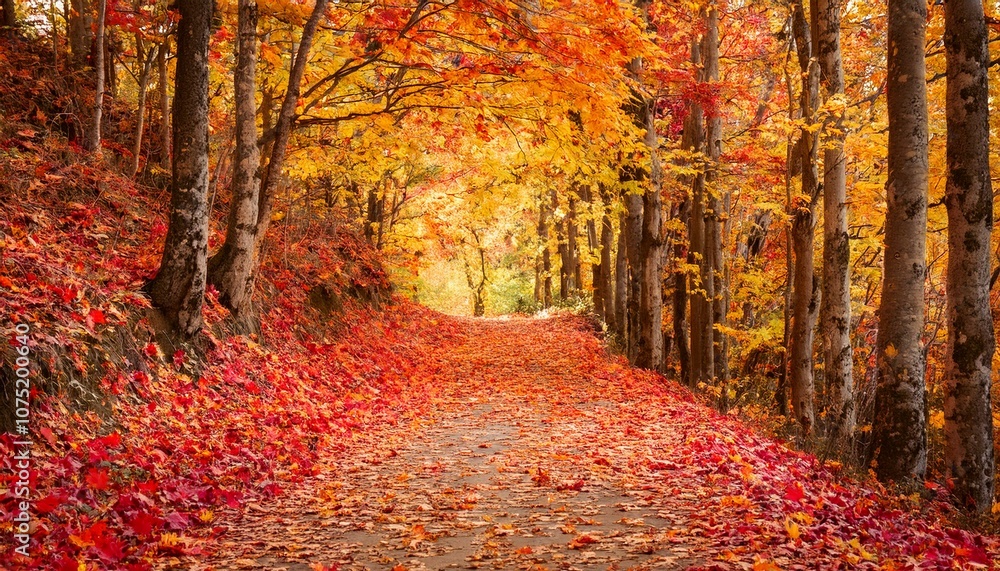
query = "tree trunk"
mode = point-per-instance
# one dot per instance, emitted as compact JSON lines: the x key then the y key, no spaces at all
{"x":804,"y":290}
{"x":900,"y":428}
{"x":283,"y":126}
{"x":968,"y":422}
{"x":561,"y":247}
{"x":161,"y":70}
{"x":717,"y":206}
{"x":146,"y":65}
{"x":9,"y":16}
{"x":701,"y":324}
{"x":80,"y":28}
{"x":543,"y":237}
{"x":607,"y":244}
{"x":571,"y":257}
{"x":621,"y":280}
{"x":594,"y":245}
{"x":836,"y":310}
{"x":179,"y":287}
{"x":633,"y":255}
{"x":229,"y":270}
{"x":94,"y":135}
{"x":680,"y":299}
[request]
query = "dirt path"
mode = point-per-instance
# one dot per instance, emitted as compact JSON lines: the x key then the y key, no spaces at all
{"x":544,"y":453}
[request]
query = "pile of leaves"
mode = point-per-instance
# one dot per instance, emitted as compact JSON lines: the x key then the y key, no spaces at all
{"x":137,"y":449}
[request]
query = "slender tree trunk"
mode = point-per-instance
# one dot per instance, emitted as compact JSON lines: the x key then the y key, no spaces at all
{"x":680,"y":299}
{"x":607,"y":274}
{"x":968,"y":421}
{"x":836,"y":311}
{"x":94,"y":135}
{"x":230,"y":269}
{"x":633,"y":255}
{"x":621,"y":279}
{"x":179,"y":287}
{"x":284,"y":123}
{"x":805,"y":304}
{"x":161,"y":70}
{"x":701,"y":325}
{"x":717,"y":206}
{"x":146,"y":65}
{"x":546,"y":256}
{"x":571,"y":256}
{"x":900,"y":427}
{"x":594,"y":246}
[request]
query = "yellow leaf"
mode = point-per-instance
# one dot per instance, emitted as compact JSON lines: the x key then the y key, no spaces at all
{"x":792,"y":528}
{"x":890,"y":351}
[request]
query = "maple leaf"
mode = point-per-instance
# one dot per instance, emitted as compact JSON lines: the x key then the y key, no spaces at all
{"x":580,"y":541}
{"x":98,"y":478}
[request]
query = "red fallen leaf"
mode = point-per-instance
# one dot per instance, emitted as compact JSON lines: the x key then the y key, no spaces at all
{"x":5,"y":282}
{"x":526,"y":550}
{"x":49,"y":436}
{"x":98,"y":479}
{"x":570,"y":485}
{"x":795,"y":492}
{"x":144,"y":523}
{"x":48,"y":503}
{"x":150,"y":349}
{"x":582,"y":540}
{"x":179,"y":358}
{"x":97,"y":317}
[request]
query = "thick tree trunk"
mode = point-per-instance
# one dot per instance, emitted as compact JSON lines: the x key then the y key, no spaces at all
{"x":900,"y":427}
{"x":230,"y":269}
{"x":94,"y":134}
{"x":836,"y":310}
{"x":804,"y":292}
{"x":179,"y":287}
{"x":161,"y":70}
{"x":968,"y":421}
{"x":649,"y":352}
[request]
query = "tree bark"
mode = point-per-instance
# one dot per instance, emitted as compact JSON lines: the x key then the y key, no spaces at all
{"x":546,"y":255}
{"x":230,"y":269}
{"x":594,"y":245}
{"x":968,"y":422}
{"x":607,"y":244}
{"x":145,"y":64}
{"x":94,"y":134}
{"x":178,"y":289}
{"x":8,"y":19}
{"x":621,"y":280}
{"x":900,"y":427}
{"x":701,"y":323}
{"x":283,"y":125}
{"x":162,"y":72}
{"x":80,"y":28}
{"x":836,"y":309}
{"x":804,"y":290}
{"x":716,"y":291}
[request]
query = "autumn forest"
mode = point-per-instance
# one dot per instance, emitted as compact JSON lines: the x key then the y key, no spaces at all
{"x":507,"y":284}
